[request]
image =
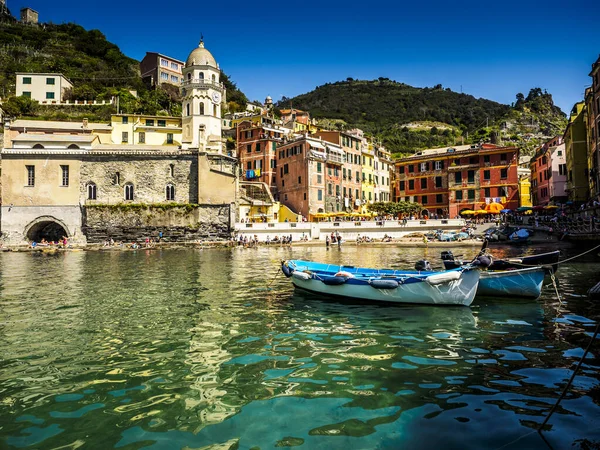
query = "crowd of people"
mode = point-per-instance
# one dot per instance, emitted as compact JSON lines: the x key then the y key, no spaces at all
{"x":61,"y":243}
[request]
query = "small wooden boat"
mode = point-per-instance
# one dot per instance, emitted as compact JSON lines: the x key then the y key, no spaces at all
{"x":452,"y":287}
{"x":522,"y":283}
{"x":547,"y":260}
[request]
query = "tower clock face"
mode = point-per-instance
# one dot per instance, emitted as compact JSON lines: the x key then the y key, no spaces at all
{"x":216,"y":97}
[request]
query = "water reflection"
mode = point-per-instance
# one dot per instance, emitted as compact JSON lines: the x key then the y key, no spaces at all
{"x":191,"y":348}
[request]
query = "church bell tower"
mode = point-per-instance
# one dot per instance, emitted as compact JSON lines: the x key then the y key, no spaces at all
{"x":202,"y":96}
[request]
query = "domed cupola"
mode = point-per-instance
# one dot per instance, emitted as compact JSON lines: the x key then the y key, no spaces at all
{"x":200,"y":56}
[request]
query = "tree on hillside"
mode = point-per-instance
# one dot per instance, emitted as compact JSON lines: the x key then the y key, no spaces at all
{"x":20,"y":106}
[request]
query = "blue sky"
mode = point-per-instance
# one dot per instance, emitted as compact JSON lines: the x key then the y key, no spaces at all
{"x":490,"y":49}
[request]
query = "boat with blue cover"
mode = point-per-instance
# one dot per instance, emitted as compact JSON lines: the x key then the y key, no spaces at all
{"x":451,"y":287}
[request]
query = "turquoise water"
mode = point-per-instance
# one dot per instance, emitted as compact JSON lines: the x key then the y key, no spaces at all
{"x":189,"y":349}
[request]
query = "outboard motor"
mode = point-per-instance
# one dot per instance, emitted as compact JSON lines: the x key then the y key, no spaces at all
{"x":447,"y":255}
{"x":483,"y":261}
{"x":423,"y":266}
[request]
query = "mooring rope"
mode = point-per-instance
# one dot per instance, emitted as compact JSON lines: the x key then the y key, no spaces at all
{"x":570,"y":382}
{"x":555,"y":286}
{"x":274,"y":278}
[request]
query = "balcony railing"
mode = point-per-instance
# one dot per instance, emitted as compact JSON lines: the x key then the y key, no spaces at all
{"x":202,"y":82}
{"x":336,"y":159}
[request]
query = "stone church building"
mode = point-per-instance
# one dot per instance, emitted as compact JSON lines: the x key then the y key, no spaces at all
{"x":69,"y":179}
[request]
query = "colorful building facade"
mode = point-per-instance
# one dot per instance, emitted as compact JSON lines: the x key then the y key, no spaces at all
{"x":548,"y":173}
{"x":351,"y":187}
{"x":135,"y":129}
{"x":157,"y":69}
{"x":593,"y":130}
{"x":309,"y":178}
{"x":450,"y":180}
{"x":257,"y":151}
{"x":575,"y":139}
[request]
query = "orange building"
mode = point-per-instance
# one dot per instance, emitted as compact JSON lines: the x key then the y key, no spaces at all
{"x":449,"y":180}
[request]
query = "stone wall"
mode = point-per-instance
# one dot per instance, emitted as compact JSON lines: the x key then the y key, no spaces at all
{"x":149,"y":175}
{"x":136,"y":222}
{"x":18,"y":220}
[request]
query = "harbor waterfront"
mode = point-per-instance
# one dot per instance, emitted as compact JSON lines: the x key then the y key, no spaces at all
{"x":349,"y":230}
{"x":191,"y":348}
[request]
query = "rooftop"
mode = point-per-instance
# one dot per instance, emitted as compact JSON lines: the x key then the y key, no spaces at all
{"x":29,"y":137}
{"x":56,"y":125}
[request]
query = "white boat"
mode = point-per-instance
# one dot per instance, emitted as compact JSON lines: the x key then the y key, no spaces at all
{"x":451,"y":287}
{"x":523,"y":283}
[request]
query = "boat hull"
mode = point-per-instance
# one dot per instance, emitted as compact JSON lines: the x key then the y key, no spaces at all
{"x":522,"y":283}
{"x":372,"y":287}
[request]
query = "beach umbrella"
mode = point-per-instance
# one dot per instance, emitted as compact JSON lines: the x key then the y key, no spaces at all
{"x":551,"y":207}
{"x":481,"y":211}
{"x":467,"y":212}
{"x":494,"y":208}
{"x":506,"y":211}
{"x":524,"y":208}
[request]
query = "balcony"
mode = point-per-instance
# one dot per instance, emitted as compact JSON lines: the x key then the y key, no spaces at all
{"x":335,"y":159}
{"x":463,"y":166}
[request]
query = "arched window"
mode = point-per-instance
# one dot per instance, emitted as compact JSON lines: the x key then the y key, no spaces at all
{"x":170,"y":192}
{"x":189,"y":75}
{"x":38,"y":146}
{"x":91,"y":191}
{"x":171,"y":170}
{"x":202,"y":75}
{"x":129,"y":191}
{"x":117,"y":178}
{"x":215,"y":110}
{"x":73,"y":146}
{"x":188,"y":109}
{"x":201,"y":107}
{"x":214,"y":77}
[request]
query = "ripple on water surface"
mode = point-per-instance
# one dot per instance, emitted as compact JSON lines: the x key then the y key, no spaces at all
{"x":191,"y":348}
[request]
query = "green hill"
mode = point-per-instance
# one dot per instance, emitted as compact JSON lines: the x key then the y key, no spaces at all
{"x":392,"y":111}
{"x":97,"y":68}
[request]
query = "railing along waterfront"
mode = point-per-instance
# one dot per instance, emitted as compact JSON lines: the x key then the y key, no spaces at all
{"x":349,"y":230}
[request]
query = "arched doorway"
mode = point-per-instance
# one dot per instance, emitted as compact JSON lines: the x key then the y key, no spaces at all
{"x":48,"y":228}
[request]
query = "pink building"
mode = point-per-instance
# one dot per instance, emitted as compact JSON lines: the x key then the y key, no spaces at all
{"x":549,"y":173}
{"x":309,"y":180}
{"x":558,"y":183}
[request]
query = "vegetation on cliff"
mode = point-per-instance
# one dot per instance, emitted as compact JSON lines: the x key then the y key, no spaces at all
{"x":406,"y":118}
{"x":96,"y":67}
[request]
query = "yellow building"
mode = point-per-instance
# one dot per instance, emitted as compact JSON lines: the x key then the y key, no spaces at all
{"x":575,"y":139}
{"x":524,"y":191}
{"x":145,"y":130}
{"x":368,"y":175}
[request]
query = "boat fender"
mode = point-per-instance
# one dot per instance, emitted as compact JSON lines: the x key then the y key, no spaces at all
{"x":423,"y":266}
{"x":333,"y":281}
{"x":344,"y":274}
{"x":515,"y":260}
{"x":443,"y":277}
{"x":483,"y":261}
{"x":384,"y":284}
{"x":286,"y":269}
{"x":301,"y":275}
